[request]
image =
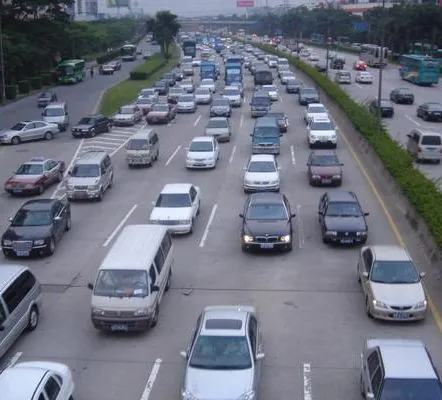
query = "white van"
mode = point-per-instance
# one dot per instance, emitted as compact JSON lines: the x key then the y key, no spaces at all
{"x":57,"y":113}
{"x":143,"y":148}
{"x":132,"y":279}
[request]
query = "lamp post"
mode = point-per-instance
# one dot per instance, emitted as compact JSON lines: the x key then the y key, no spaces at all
{"x":381,"y":61}
{"x":329,"y":41}
{"x":2,"y":58}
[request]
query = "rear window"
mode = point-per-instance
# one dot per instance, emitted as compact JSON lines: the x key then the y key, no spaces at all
{"x":431,"y":140}
{"x":229,"y":324}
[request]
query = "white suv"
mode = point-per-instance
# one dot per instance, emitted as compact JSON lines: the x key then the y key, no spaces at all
{"x":321,"y":132}
{"x":313,"y":110}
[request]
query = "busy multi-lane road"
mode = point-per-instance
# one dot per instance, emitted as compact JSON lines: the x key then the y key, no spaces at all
{"x":309,"y":302}
{"x":405,"y":118}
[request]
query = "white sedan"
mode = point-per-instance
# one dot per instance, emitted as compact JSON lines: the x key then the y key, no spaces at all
{"x":37,"y":380}
{"x":208,"y":83}
{"x":364,"y":77}
{"x":176,"y":207}
{"x":203,"y":152}
{"x":262,"y":174}
{"x":313,"y":57}
{"x":29,"y":130}
{"x":128,"y":115}
{"x":272,"y":90}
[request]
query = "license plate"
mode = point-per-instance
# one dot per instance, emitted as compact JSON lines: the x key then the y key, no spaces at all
{"x":399,"y":315}
{"x":22,"y":253}
{"x":431,"y":149}
{"x":199,"y":163}
{"x":80,"y":195}
{"x":119,"y":328}
{"x":267,"y":246}
{"x":326,"y":181}
{"x":346,"y":241}
{"x":18,"y":190}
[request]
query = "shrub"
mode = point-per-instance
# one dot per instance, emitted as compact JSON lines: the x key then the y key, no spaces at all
{"x":138,"y":75}
{"x":109,"y":56}
{"x":46,"y":79}
{"x":10,"y":92}
{"x":24,"y":87}
{"x":420,"y":191}
{"x":36,"y":82}
{"x":145,"y":70}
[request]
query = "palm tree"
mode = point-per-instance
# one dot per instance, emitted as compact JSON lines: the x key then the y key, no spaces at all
{"x":164,"y":29}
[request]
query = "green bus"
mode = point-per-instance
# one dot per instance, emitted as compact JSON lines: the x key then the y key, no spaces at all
{"x":71,"y":71}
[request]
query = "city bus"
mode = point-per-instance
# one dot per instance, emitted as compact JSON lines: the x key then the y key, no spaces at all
{"x":189,"y":48}
{"x":71,"y":71}
{"x":419,"y":69}
{"x":371,"y":55}
{"x":129,"y":52}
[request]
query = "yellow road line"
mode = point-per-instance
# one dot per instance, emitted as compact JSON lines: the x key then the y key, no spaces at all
{"x":436,"y":314}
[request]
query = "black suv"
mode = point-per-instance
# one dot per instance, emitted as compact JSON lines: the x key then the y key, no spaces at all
{"x":267,"y":222}
{"x":92,"y":125}
{"x":387,"y":110}
{"x":402,"y":96}
{"x":341,"y":218}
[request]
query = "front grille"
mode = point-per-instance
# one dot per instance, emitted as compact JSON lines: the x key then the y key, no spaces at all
{"x":261,"y":183}
{"x":22,"y":245}
{"x":401,"y":308}
{"x":266,"y":239}
{"x":170,"y":222}
{"x":119,"y":314}
{"x":80,"y":187}
{"x":346,"y":235}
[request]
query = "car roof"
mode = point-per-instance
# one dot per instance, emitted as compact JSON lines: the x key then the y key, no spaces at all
{"x":37,"y":160}
{"x":262,"y":157}
{"x":234,"y":324}
{"x":203,"y":139}
{"x":20,"y":383}
{"x":315,"y":105}
{"x":404,"y":358}
{"x":176,"y":188}
{"x":266,"y":197}
{"x":341,"y":195}
{"x":56,"y":105}
{"x":90,"y":157}
{"x":323,"y":153}
{"x":8,"y":272}
{"x":38,"y":204}
{"x":390,"y":253}
{"x":320,"y":118}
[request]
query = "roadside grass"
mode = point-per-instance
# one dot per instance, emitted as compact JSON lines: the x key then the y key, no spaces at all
{"x":126,"y":91}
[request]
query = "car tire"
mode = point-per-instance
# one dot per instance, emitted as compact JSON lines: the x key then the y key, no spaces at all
{"x":68,"y":224}
{"x":169,"y":281}
{"x":92,"y":133}
{"x":48,"y":136}
{"x":40,"y":189}
{"x":60,"y":177}
{"x":33,"y":319}
{"x":15,"y":140}
{"x":367,"y":308}
{"x":51,"y":248}
{"x":101,"y":195}
{"x":7,"y":253}
{"x":155,"y":317}
{"x":324,"y":240}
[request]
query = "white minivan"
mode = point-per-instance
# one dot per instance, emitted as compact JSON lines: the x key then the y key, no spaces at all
{"x":132,"y":279}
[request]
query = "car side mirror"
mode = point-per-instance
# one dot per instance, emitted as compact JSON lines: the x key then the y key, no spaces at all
{"x":321,"y":212}
{"x":69,"y":172}
{"x":409,"y":136}
{"x":2,"y":328}
{"x":153,"y":203}
{"x":90,"y":286}
{"x":341,"y":164}
{"x":67,"y":113}
{"x":369,"y":396}
{"x":183,"y":354}
{"x":292,"y":215}
{"x":365,"y":274}
{"x":366,"y":214}
{"x":154,"y":288}
{"x":241,"y":215}
{"x":260,"y":356}
{"x":42,"y":114}
{"x":422,"y":274}
{"x":57,"y":218}
{"x":10,"y":219}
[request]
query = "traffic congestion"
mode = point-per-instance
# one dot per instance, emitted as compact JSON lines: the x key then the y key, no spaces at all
{"x":217,"y":238}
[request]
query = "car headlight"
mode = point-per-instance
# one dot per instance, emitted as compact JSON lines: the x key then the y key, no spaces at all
{"x":334,"y":138}
{"x":185,"y":221}
{"x":380,"y":304}
{"x":186,"y":395}
{"x":421,"y":304}
{"x":248,"y":395}
{"x":362,"y":233}
{"x":285,"y":238}
{"x":39,"y":242}
{"x":248,"y":238}
{"x":316,"y":176}
{"x":141,"y":312}
{"x":331,"y":233}
{"x":275,"y":182}
{"x":94,"y":187}
{"x":98,"y":311}
{"x":7,"y":242}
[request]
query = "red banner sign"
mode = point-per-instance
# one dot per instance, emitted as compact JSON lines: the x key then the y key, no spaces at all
{"x":246,"y":3}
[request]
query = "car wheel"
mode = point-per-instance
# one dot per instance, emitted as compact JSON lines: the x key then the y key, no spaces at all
{"x":40,"y":189}
{"x":15,"y":140}
{"x":324,"y":240}
{"x":7,"y":253}
{"x":33,"y":319}
{"x":68,"y":224}
{"x":169,"y":281}
{"x":367,"y":308}
{"x":51,"y":247}
{"x":198,"y":209}
{"x":92,"y":133}
{"x":155,"y":317}
{"x":48,"y":136}
{"x":101,"y":195}
{"x":361,"y":387}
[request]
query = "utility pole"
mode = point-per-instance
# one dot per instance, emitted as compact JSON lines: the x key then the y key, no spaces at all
{"x":381,"y":61}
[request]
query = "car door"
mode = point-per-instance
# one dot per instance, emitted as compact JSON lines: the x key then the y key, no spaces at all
{"x":289,"y":213}
{"x":28,"y":132}
{"x":322,"y":210}
{"x":254,"y":343}
{"x":365,"y":264}
{"x":39,"y":130}
{"x":194,"y":200}
{"x":58,"y":225}
{"x":50,"y":172}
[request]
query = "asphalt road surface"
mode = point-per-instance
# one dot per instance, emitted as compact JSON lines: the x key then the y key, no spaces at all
{"x":310,"y":304}
{"x":405,"y":118}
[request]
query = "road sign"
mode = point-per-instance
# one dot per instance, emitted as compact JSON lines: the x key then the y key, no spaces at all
{"x":245,"y":3}
{"x":360,"y":26}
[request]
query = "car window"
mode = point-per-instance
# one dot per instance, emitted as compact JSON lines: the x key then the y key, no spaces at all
{"x":18,"y":290}
{"x":159,"y":259}
{"x":192,"y":193}
{"x":428,"y":140}
{"x":152,"y":274}
{"x":266,"y":211}
{"x":201,"y":146}
{"x":121,"y":283}
{"x":262,"y":166}
{"x":173,"y":200}
{"x":30,"y":169}
{"x":324,"y":160}
{"x":343,"y":209}
{"x":52,"y":389}
{"x":2,"y":314}
{"x":166,"y":244}
{"x":368,"y":259}
{"x":394,"y":272}
{"x":39,"y":125}
{"x":376,"y":381}
{"x":253,"y":334}
{"x":372,"y":362}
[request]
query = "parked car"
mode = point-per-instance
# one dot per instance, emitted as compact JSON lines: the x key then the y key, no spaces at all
{"x":92,"y":125}
{"x":26,"y":131}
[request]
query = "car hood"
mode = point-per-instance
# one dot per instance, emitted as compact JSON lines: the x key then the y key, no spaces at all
{"x":216,"y":131}
{"x":398,"y":294}
{"x":27,"y":232}
{"x":123,"y":116}
{"x":84,"y":126}
{"x":325,"y":171}
{"x":267,"y":227}
{"x":24,"y":178}
{"x":355,"y":224}
{"x":186,"y":104}
{"x":218,"y":384}
{"x":173,"y":213}
{"x":8,"y":132}
{"x":200,"y":155}
{"x":323,"y":133}
{"x":80,"y":181}
{"x":261,"y":176}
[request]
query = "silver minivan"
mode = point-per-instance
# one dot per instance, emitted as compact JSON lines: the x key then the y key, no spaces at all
{"x":132,"y":280}
{"x":425,"y":145}
{"x":143,"y":148}
{"x":57,"y":113}
{"x":20,"y":301}
{"x":90,"y":176}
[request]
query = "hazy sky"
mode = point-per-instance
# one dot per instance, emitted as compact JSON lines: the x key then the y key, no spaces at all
{"x":200,"y":7}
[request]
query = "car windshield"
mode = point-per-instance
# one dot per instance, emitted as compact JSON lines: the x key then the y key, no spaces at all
{"x":399,"y":272}
{"x":262,"y":166}
{"x":343,"y":209}
{"x":126,"y":110}
{"x":309,"y":91}
{"x":32,"y":218}
{"x":323,"y":160}
{"x":30,"y":169}
{"x":53,"y":112}
{"x":435,"y":107}
{"x":293,"y":82}
{"x":201,"y":146}
{"x":231,"y":92}
{"x":317,"y":110}
{"x":160,"y":108}
{"x":204,"y":91}
{"x":45,"y":95}
{"x":261,"y":101}
{"x":265,"y":131}
{"x":321,"y":126}
{"x":217,"y":123}
{"x":220,"y":102}
{"x":221,"y":352}
{"x":186,"y":99}
{"x":411,"y":389}
{"x":266,"y":211}
{"x":173,"y":200}
{"x":138,"y":144}
{"x":86,"y":121}
{"x":18,"y":127}
{"x":85,"y":171}
{"x":121,"y":283}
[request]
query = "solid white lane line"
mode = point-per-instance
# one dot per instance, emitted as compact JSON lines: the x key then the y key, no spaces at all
{"x":281,"y":100}
{"x":14,"y":359}
{"x":119,"y":226}
{"x":412,"y":120}
{"x":232,"y":154}
{"x":300,"y":227}
{"x":241,"y":120}
{"x":151,"y":380}
{"x":169,"y":160}
{"x":292,"y":153}
{"x":197,"y":120}
{"x":307,"y":382}
{"x":209,"y":222}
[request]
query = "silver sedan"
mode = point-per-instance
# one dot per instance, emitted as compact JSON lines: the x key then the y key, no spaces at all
{"x":26,"y":131}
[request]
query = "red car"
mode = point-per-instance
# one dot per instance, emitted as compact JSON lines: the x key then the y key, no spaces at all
{"x":146,"y":104}
{"x":161,"y":113}
{"x":360,"y":65}
{"x":34,"y":176}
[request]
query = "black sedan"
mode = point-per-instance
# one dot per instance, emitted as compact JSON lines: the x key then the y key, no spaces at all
{"x":430,"y":112}
{"x":402,"y":96}
{"x":387,"y":110}
{"x":92,"y":125}
{"x":36,"y":228}
{"x":267,"y":223}
{"x":341,"y":218}
{"x":45,"y":98}
{"x":281,"y":119}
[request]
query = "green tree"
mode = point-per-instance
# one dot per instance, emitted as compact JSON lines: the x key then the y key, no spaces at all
{"x":164,"y":28}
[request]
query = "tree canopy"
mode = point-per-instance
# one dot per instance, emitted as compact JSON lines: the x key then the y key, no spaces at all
{"x":164,"y":28}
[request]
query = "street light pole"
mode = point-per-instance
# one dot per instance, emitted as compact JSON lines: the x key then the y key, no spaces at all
{"x":329,"y":40}
{"x":2,"y":58}
{"x":381,"y":61}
